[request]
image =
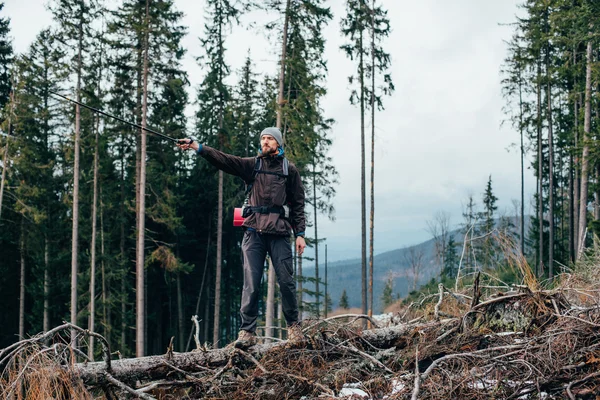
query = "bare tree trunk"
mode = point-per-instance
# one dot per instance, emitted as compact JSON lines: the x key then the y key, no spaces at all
{"x":540,"y":266}
{"x":550,"y":171}
{"x":372,"y":215}
{"x":585,"y":159}
{"x":314,"y":187}
{"x":522,"y":167}
{"x":279,"y":320}
{"x":92,"y":316}
{"x":140,"y":345}
{"x":299,"y":288}
{"x":22,"y":282}
{"x":363,"y":193}
{"x":180,"y":312}
{"x":270,"y":302}
{"x":326,"y":298}
{"x":4,"y":168}
{"x":217,"y":322}
{"x":576,"y":183}
{"x":105,"y":310}
{"x":5,"y":155}
{"x":75,"y":229}
{"x":46,"y":318}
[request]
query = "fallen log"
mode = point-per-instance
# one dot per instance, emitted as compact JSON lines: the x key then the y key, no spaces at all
{"x":159,"y":367}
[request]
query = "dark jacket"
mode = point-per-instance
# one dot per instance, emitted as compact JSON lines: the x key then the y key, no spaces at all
{"x":268,"y":190}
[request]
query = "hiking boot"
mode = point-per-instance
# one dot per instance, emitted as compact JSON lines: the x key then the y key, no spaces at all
{"x":295,"y":335}
{"x":245,"y":339}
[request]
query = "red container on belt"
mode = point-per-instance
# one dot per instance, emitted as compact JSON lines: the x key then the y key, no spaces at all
{"x":238,"y":220}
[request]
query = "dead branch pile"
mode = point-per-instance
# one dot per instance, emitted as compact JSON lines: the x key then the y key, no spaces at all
{"x":515,"y":344}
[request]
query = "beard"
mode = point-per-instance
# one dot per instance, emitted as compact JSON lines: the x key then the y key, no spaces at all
{"x":268,"y":150}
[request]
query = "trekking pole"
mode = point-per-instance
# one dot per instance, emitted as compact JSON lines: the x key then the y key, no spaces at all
{"x":162,"y":135}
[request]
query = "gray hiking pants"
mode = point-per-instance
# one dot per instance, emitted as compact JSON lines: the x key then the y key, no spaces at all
{"x":255,"y":247}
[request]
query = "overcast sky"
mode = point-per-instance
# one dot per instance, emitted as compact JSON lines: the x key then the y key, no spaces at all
{"x":440,"y":136}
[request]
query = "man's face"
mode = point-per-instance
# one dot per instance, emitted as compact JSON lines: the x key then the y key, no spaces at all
{"x":268,"y":144}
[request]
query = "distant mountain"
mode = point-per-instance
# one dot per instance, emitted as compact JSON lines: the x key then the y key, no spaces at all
{"x":346,"y":275}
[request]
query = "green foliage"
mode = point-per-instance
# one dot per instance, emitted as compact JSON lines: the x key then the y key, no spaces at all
{"x":387,"y":296}
{"x":343,"y":301}
{"x":6,"y":58}
{"x":451,"y":259}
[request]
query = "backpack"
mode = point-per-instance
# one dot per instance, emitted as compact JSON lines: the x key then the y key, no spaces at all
{"x":247,"y":210}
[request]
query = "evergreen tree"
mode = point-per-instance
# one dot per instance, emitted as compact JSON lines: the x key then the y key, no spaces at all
{"x":40,"y":178}
{"x":487,"y":224}
{"x":74,"y":20}
{"x":387,"y":296}
{"x":380,"y":63}
{"x":451,"y":259}
{"x":213,"y":101}
{"x":355,"y":27}
{"x":344,"y":301}
{"x":6,"y":59}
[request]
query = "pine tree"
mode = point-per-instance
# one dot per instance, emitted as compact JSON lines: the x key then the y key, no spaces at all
{"x":487,"y":224}
{"x":451,"y":259}
{"x":387,"y":296}
{"x":74,"y":20}
{"x":37,"y":121}
{"x":6,"y":59}
{"x":355,"y":27}
{"x":213,"y":100}
{"x":344,"y":301}
{"x":380,"y":63}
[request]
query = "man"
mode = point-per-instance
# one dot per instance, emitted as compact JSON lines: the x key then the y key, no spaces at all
{"x":276,"y":206}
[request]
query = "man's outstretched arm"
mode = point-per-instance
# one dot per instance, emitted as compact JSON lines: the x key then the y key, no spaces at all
{"x":234,"y":165}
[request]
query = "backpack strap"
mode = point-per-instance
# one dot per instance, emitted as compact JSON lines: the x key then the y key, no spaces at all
{"x":258,"y":170}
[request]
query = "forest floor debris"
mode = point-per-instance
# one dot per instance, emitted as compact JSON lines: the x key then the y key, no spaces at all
{"x":516,"y":343}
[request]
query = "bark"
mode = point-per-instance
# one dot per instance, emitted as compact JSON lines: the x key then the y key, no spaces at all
{"x":217,"y":312}
{"x":123,"y":255}
{"x":314,"y":187}
{"x":325,"y":295}
{"x":22,"y":282}
{"x":92,"y":316}
{"x":75,"y":228}
{"x":105,"y":310}
{"x":179,"y":312}
{"x":270,"y":301}
{"x":540,"y":266}
{"x":46,"y":318}
{"x":550,"y":171}
{"x":522,"y":148}
{"x":299,"y":288}
{"x":576,"y":183}
{"x":363,"y":193}
{"x":372,"y":214}
{"x":5,"y":154}
{"x":585,"y":158}
{"x":140,"y":345}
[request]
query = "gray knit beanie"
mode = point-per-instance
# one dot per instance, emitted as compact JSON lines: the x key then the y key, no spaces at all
{"x":276,"y":133}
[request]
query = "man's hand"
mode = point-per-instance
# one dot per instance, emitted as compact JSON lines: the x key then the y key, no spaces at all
{"x":186,"y":144}
{"x":300,"y":245}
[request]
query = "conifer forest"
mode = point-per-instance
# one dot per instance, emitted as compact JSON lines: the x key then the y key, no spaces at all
{"x":120,"y":266}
